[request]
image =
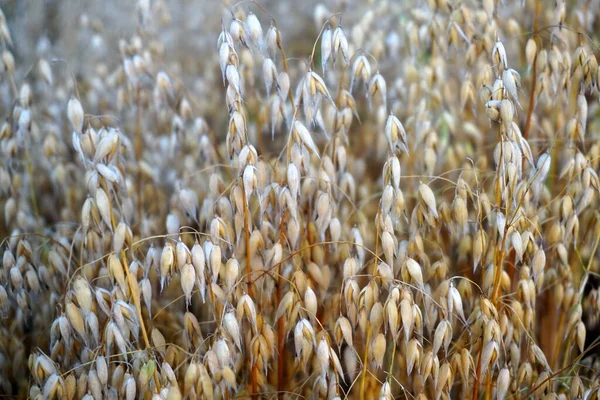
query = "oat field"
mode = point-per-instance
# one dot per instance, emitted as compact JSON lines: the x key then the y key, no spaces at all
{"x":352,"y":199}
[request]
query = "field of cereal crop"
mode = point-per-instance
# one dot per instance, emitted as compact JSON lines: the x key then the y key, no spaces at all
{"x":362,"y":199}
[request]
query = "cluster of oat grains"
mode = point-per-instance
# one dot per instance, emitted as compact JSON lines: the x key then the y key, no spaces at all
{"x":403,"y":206}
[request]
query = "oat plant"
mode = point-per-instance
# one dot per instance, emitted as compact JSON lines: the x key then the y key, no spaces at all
{"x":367,"y":200}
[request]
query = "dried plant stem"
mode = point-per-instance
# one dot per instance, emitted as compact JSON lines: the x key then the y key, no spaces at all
{"x":280,"y":323}
{"x":567,"y":357}
{"x":247,"y":242}
{"x":512,"y":266}
{"x":477,"y":375}
{"x":390,"y":373}
{"x":333,"y":142}
{"x":376,"y":254}
{"x":365,"y":361}
{"x":488,"y":386}
{"x":254,"y":382}
{"x":558,"y":342}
